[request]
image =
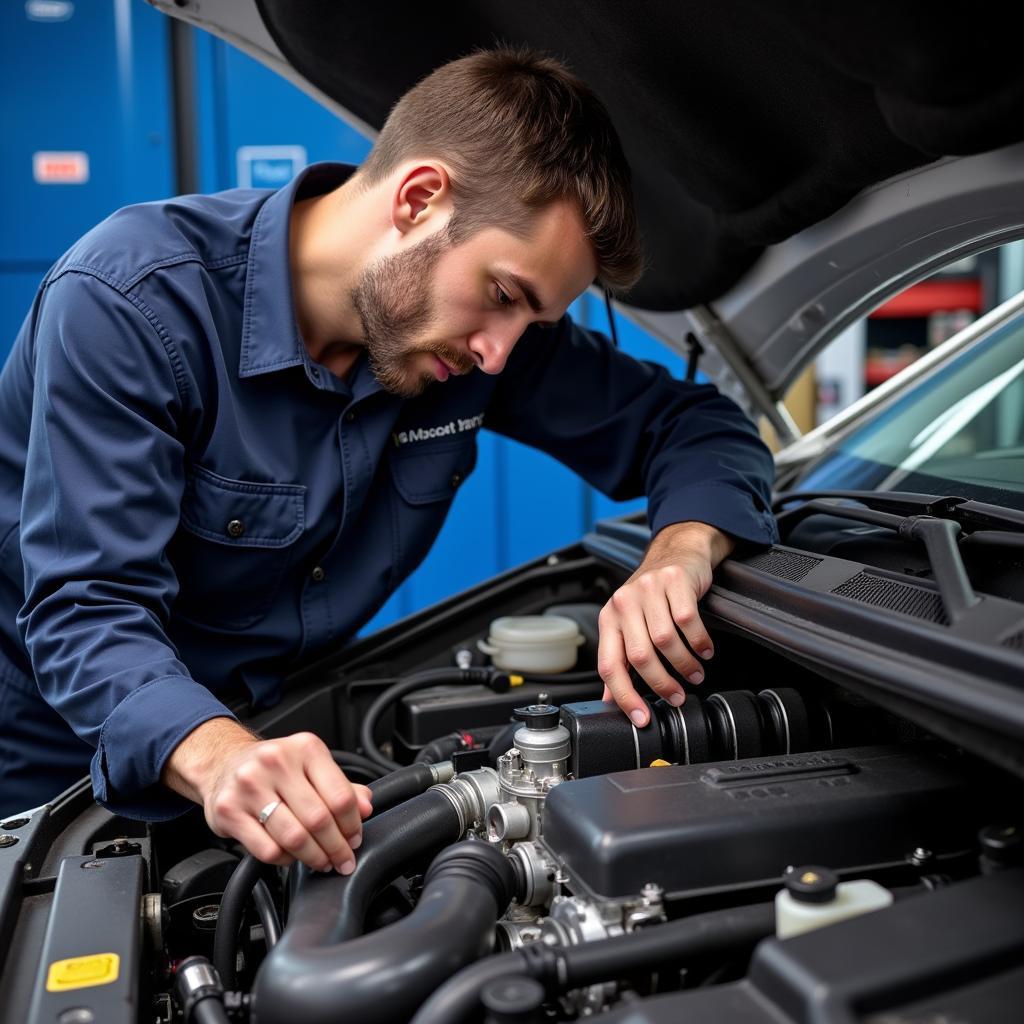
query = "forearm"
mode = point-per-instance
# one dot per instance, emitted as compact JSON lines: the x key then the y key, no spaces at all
{"x":196,"y":762}
{"x":691,"y":536}
{"x":628,"y":429}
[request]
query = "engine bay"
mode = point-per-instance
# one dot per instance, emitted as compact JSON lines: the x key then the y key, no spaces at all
{"x":778,"y":848}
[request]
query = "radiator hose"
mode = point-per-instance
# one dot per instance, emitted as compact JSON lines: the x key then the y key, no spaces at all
{"x":313,"y":976}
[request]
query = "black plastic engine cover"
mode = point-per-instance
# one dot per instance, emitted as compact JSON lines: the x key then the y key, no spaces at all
{"x":696,"y":829}
{"x":955,"y":955}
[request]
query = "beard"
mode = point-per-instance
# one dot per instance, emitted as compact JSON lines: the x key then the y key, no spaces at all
{"x":394,"y":302}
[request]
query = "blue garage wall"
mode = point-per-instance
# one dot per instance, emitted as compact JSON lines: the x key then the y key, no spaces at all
{"x":90,"y":80}
{"x":254,"y":128}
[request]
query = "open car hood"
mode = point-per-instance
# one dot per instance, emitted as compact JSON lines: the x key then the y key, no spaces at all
{"x":794,"y":163}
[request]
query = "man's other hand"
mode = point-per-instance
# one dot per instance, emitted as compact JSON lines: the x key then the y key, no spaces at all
{"x":641,"y":618}
{"x":234,"y":775}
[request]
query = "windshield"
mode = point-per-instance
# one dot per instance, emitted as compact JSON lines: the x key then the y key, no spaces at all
{"x":958,"y":432}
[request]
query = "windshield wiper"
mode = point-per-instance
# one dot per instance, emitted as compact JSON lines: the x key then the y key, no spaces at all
{"x":941,"y":524}
{"x":970,"y":514}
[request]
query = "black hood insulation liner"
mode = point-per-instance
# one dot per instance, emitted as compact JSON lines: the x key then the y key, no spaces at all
{"x":744,"y":122}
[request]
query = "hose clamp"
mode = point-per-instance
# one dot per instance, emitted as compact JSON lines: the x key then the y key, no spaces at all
{"x":196,"y":980}
{"x":444,"y":771}
{"x":472,"y":794}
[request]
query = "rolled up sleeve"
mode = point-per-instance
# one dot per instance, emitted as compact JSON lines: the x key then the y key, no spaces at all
{"x":630,"y":429}
{"x":101,"y":500}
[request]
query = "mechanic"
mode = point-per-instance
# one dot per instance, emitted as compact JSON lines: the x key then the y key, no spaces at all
{"x":233,"y":424}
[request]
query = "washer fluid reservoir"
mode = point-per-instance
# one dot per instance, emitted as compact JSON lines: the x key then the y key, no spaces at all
{"x":543,"y":644}
{"x":814,"y":897}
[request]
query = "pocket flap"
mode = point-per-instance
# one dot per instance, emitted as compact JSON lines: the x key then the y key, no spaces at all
{"x":240,"y":513}
{"x":427,"y":473}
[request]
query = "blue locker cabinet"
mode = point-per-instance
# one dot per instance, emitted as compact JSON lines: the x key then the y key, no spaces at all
{"x":86,"y":110}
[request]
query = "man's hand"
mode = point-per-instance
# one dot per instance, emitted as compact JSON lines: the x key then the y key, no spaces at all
{"x":234,"y":776}
{"x":641,"y":617}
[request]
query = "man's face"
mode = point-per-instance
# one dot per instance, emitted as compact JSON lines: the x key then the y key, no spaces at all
{"x":435,"y":309}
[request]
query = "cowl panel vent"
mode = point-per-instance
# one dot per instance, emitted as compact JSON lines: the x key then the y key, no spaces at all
{"x":897,"y":597}
{"x":1015,"y":641}
{"x":787,"y":564}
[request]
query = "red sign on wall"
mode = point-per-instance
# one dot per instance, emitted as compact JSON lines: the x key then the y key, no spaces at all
{"x":60,"y":168}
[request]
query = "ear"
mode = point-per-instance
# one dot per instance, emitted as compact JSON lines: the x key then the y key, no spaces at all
{"x":423,"y":191}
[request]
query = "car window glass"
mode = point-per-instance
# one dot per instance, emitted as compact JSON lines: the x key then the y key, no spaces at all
{"x":960,"y":431}
{"x":903,"y":328}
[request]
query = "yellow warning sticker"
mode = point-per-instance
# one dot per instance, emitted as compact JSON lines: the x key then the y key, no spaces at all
{"x":83,"y":972}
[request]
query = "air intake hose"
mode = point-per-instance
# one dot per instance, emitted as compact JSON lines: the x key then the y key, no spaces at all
{"x":331,"y":908}
{"x":385,"y":976}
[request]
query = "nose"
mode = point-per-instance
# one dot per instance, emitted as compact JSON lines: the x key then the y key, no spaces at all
{"x":492,"y":347}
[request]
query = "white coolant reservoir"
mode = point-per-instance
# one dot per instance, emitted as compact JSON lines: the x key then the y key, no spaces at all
{"x":532,"y":643}
{"x":814,"y":897}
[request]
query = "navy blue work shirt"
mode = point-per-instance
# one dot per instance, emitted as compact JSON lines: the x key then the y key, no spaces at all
{"x":190,"y":505}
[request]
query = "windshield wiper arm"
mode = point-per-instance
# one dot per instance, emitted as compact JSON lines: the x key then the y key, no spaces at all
{"x":971,"y":515}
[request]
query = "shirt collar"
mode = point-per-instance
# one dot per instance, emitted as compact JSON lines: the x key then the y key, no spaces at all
{"x":270,"y":334}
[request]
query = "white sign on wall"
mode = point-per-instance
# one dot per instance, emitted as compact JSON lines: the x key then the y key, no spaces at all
{"x":269,"y":166}
{"x":49,"y":10}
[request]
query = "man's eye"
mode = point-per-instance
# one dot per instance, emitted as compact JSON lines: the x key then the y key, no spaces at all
{"x":504,"y":299}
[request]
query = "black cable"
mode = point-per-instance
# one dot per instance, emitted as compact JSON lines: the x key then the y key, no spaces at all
{"x":349,"y":758}
{"x":267,"y":913}
{"x":373,"y":714}
{"x":229,"y":920}
{"x":443,"y":747}
{"x":583,"y":676}
{"x":563,"y":968}
{"x":459,"y":996}
{"x":357,"y":773}
{"x":439,"y":749}
{"x":416,"y":681}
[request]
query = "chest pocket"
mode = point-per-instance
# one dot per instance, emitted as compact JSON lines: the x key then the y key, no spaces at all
{"x":234,"y":547}
{"x":426,"y":477}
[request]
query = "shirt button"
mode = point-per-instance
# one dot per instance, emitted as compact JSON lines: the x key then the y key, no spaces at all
{"x":350,"y":417}
{"x":456,"y":480}
{"x":236,"y":528}
{"x":318,"y":574}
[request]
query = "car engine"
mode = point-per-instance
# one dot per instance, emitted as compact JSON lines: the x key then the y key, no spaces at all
{"x":778,"y":848}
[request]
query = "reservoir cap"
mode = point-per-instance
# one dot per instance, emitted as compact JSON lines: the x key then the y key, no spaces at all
{"x":537,"y":716}
{"x":811,"y":884}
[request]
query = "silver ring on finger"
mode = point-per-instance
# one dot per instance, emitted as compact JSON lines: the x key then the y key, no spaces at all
{"x":268,"y":811}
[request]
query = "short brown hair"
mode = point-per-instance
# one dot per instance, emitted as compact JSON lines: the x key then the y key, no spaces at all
{"x":518,"y":126}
